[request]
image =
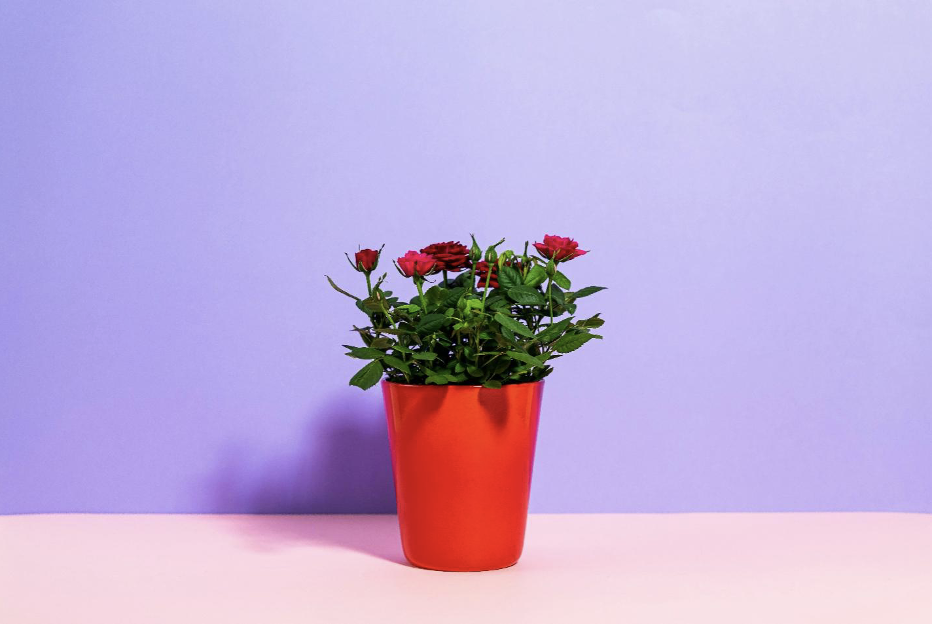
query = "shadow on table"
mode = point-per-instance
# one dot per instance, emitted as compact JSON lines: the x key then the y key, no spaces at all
{"x":342,"y":466}
{"x":372,"y":535}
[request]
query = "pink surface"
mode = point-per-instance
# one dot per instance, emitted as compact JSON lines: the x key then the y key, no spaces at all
{"x":747,"y":568}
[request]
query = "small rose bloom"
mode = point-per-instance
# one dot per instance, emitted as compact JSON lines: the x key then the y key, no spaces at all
{"x":367,"y":260}
{"x":483,"y":274}
{"x":559,"y":248}
{"x":414,"y":263}
{"x":453,"y":257}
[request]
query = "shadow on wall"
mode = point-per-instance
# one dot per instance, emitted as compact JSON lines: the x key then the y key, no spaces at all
{"x":342,"y":466}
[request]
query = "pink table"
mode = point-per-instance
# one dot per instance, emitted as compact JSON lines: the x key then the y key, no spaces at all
{"x":747,"y":568}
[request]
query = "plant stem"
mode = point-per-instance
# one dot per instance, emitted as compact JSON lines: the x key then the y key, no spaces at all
{"x":485,"y":293}
{"x":369,"y":284}
{"x":550,"y":297}
{"x":419,"y":281}
{"x":387,"y":315}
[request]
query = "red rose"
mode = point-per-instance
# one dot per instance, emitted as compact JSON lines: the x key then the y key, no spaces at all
{"x":367,"y":260}
{"x":419,"y":264}
{"x":450,"y":256}
{"x":559,"y":248}
{"x":482,"y":272}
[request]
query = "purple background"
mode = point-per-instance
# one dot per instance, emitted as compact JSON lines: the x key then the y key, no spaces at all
{"x":753,"y":179}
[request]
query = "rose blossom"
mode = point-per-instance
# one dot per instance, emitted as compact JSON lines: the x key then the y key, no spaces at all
{"x":558,"y":248}
{"x":450,"y":256}
{"x":417,"y":264}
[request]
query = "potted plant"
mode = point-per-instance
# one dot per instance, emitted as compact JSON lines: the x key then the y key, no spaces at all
{"x":464,"y":362}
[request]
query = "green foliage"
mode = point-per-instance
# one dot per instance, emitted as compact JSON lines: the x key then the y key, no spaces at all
{"x":571,"y":342}
{"x":562,"y":281}
{"x":454,"y":332}
{"x":536,"y":276}
{"x":516,"y":326}
{"x":367,"y":376}
{"x":508,"y":277}
{"x":588,"y":290}
{"x":526,"y":295}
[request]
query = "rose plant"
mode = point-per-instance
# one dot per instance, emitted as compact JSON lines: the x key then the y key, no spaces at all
{"x":502,"y":318}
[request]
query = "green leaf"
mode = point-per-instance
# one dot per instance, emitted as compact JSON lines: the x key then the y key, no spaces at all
{"x":381,"y":343}
{"x":394,"y":362}
{"x":562,"y":281}
{"x":509,"y":335}
{"x":395,"y":331}
{"x":516,"y":374}
{"x":437,"y":379}
{"x":367,"y":376}
{"x":492,"y":384}
{"x":402,"y":348}
{"x":364,"y":353}
{"x":591,"y":322}
{"x":554,"y":331}
{"x":340,"y":290}
{"x":527,"y":358}
{"x":499,"y":305}
{"x":475,"y":371}
{"x":525,"y":295}
{"x":431,"y":323}
{"x":588,"y":290}
{"x":508,"y":277}
{"x":372,"y":304}
{"x":436,"y":294}
{"x":453,"y":296}
{"x":513,"y":325}
{"x":425,"y":355}
{"x":536,"y":276}
{"x":571,"y":342}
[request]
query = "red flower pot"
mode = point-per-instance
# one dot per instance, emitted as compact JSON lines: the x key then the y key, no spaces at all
{"x":462,"y":458}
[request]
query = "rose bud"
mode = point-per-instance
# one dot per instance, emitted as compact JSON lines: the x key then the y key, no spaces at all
{"x":559,"y":248}
{"x":450,"y":256}
{"x":367,"y":260}
{"x":475,"y":252}
{"x":414,"y":264}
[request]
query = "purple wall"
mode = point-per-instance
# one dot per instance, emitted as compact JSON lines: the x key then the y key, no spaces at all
{"x":755,"y":181}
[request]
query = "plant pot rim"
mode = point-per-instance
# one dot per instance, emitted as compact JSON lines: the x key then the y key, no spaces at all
{"x":406,"y":385}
